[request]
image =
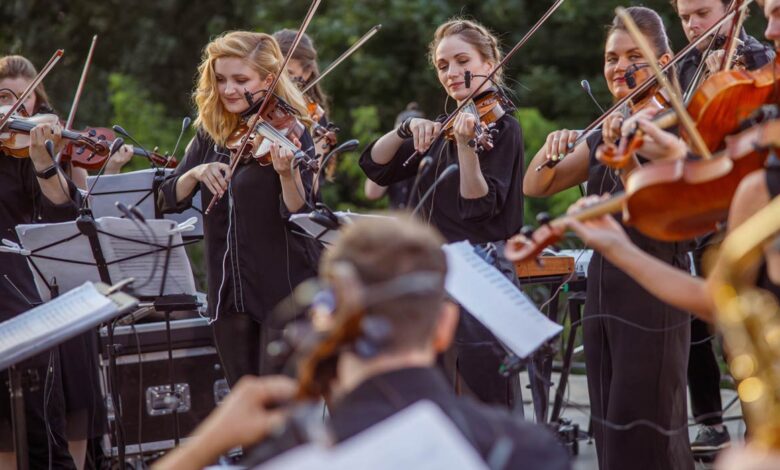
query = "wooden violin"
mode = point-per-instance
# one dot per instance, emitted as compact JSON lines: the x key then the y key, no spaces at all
{"x":278,"y":124}
{"x":15,"y":136}
{"x":669,"y":200}
{"x":82,"y":157}
{"x":487,"y":108}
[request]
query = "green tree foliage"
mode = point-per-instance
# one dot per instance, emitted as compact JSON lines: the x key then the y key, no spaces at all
{"x":155,"y":46}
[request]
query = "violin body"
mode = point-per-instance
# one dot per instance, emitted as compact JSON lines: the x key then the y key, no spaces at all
{"x":726,"y":99}
{"x":487,"y":109}
{"x":277,"y":124}
{"x":671,"y":200}
{"x":15,"y":141}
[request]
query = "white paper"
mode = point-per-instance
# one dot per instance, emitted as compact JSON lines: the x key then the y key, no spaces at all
{"x":78,"y":306}
{"x":135,"y":188}
{"x":78,"y":261}
{"x":418,"y":437}
{"x":497,"y":303}
{"x":316,"y":230}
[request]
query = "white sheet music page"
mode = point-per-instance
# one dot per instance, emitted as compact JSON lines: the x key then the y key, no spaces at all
{"x":419,"y":437}
{"x":38,"y":323}
{"x":72,"y":263}
{"x":134,"y":188}
{"x":495,"y":301}
{"x":143,"y":265}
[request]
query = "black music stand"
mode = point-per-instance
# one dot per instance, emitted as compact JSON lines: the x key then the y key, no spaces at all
{"x":53,"y":323}
{"x":99,"y":249}
{"x":139,"y":189}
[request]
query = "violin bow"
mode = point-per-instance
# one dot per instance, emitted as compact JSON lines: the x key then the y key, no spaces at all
{"x":33,"y":84}
{"x":641,"y":88}
{"x":493,"y":72}
{"x":264,"y":104}
{"x":357,"y":45}
{"x":731,"y":43}
{"x":80,"y":89}
{"x":682,"y":114}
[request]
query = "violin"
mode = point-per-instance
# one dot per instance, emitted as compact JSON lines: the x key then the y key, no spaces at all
{"x":618,"y":155}
{"x":277,"y":124}
{"x":15,"y":136}
{"x":324,"y":137}
{"x":488,"y":108}
{"x":80,"y":156}
{"x":669,"y":200}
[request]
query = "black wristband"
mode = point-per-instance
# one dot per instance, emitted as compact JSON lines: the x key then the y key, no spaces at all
{"x":48,"y":172}
{"x":403,"y":130}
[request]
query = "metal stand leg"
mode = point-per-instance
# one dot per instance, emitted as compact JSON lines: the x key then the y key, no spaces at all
{"x":176,"y":399}
{"x":18,"y":423}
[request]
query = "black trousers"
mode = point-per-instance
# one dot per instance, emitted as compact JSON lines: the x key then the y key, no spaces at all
{"x":242,"y":345}
{"x":636,"y":374}
{"x":704,"y":376}
{"x":44,"y":410}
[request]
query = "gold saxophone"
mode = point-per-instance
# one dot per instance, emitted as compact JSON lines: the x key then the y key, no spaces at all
{"x":749,"y":319}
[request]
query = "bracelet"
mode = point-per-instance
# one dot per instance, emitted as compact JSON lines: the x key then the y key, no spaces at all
{"x":403,"y":130}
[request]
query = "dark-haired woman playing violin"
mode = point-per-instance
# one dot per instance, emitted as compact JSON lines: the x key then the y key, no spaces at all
{"x":481,"y":202}
{"x":31,"y":190}
{"x":253,"y":260}
{"x":636,"y":347}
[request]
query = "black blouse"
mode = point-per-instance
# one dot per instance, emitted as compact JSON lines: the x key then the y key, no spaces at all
{"x":22,"y":202}
{"x":253,"y":260}
{"x":494,"y":217}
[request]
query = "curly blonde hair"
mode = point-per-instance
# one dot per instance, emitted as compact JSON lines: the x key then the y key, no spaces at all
{"x":262,"y":53}
{"x":473,"y":33}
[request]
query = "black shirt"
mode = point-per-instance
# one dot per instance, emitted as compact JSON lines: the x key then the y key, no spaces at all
{"x":493,"y":217}
{"x":380,"y":397}
{"x":253,"y":260}
{"x":754,"y":54}
{"x":22,"y":202}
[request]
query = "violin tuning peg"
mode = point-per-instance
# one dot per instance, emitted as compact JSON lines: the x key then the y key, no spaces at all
{"x":493,"y":133}
{"x":527,"y":231}
{"x":472,"y":143}
{"x":543,"y":218}
{"x":92,"y":133}
{"x":156,"y":149}
{"x":555,"y":248}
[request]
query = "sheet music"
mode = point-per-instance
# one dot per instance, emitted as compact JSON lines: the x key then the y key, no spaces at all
{"x":495,"y":301}
{"x":316,"y":230}
{"x":135,"y":188}
{"x":420,"y":437}
{"x":61,"y":318}
{"x":78,"y":261}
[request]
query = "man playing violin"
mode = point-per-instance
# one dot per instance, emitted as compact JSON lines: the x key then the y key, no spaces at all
{"x":32,"y":190}
{"x":401,"y":261}
{"x":697,"y":16}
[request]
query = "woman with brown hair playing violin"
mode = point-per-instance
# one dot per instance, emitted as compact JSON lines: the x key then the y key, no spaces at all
{"x":253,"y":260}
{"x":636,"y":347}
{"x":303,"y":69}
{"x":482,"y":202}
{"x":32,"y":190}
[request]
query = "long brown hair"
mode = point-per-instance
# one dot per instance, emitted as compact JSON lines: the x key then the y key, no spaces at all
{"x":262,"y":53}
{"x":652,"y":27}
{"x":473,"y":33}
{"x":16,"y":66}
{"x":306,"y":54}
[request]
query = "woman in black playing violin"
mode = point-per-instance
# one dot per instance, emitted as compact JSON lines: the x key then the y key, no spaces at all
{"x":31,"y":190}
{"x":482,"y":202}
{"x":253,"y":260}
{"x":636,"y":372}
{"x":303,"y":69}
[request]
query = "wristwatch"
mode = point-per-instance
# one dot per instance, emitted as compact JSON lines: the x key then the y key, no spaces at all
{"x":48,"y":172}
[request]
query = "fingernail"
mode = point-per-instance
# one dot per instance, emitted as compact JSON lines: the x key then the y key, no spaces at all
{"x":561,"y":155}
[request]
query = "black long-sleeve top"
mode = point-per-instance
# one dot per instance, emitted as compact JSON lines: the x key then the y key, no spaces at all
{"x":494,"y":217}
{"x":23,"y":202}
{"x":252,"y":259}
